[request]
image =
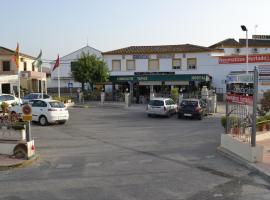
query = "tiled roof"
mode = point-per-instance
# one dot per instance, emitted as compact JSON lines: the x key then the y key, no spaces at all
{"x":230,"y":42}
{"x":6,"y":51}
{"x":255,"y":43}
{"x":184,"y":48}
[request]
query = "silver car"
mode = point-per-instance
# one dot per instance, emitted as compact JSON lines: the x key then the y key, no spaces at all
{"x":161,"y":106}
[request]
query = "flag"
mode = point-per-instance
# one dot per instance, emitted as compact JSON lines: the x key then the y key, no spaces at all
{"x":57,"y":62}
{"x":38,"y":61}
{"x":16,"y":56}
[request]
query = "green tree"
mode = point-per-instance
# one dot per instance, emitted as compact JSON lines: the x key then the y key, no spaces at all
{"x":89,"y":69}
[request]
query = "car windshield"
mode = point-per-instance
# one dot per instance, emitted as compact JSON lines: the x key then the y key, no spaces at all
{"x":57,"y":104}
{"x":189,"y":103}
{"x":156,"y":103}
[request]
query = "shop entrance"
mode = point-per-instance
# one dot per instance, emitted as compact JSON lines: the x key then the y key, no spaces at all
{"x":5,"y":88}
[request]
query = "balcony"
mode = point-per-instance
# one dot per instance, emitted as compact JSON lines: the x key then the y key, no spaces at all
{"x":33,"y":75}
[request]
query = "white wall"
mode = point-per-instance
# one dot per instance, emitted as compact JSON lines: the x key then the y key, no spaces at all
{"x":206,"y":64}
{"x":65,"y":68}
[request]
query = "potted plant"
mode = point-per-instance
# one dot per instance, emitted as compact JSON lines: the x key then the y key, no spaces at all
{"x":4,"y":107}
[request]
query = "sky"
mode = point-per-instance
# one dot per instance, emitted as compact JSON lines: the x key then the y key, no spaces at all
{"x":64,"y":26}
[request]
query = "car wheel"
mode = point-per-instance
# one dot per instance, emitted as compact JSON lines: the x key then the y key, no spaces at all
{"x":200,"y":117}
{"x":63,"y":122}
{"x":149,"y":115}
{"x":43,"y":121}
{"x":179,"y":116}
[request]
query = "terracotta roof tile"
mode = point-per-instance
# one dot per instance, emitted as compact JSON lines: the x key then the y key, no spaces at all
{"x":6,"y":51}
{"x":184,"y":48}
{"x":230,"y":42}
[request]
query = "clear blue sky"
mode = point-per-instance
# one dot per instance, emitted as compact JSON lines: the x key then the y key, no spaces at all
{"x":63,"y":26}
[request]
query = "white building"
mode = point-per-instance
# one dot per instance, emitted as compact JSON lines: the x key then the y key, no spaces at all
{"x":31,"y":78}
{"x":148,"y":68}
{"x":66,"y":79}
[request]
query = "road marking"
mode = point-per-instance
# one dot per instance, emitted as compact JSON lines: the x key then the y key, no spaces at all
{"x":120,"y":162}
{"x":63,"y":166}
{"x":93,"y":164}
{"x":210,"y":156}
{"x":145,"y":161}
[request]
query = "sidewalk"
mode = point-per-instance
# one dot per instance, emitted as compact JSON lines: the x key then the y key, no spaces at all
{"x":109,"y":104}
{"x":8,"y":162}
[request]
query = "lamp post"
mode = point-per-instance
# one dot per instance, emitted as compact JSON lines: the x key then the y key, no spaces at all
{"x":244,"y":28}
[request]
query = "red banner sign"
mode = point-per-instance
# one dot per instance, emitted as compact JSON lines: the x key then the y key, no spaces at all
{"x":239,"y":99}
{"x":242,"y":59}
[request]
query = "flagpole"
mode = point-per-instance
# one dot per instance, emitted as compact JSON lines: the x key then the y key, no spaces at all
{"x":41,"y":82}
{"x":58,"y":71}
{"x":19,"y":85}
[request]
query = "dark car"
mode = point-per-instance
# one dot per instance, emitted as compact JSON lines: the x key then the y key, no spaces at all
{"x":194,"y":108}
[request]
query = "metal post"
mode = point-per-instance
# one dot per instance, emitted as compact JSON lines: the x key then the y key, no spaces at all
{"x":247,"y":51}
{"x":227,"y":117}
{"x":254,"y":117}
{"x":28,"y":132}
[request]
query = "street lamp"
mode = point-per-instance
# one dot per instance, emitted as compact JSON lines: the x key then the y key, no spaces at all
{"x":244,"y":28}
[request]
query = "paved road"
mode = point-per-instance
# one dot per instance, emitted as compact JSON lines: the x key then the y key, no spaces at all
{"x":113,"y":154}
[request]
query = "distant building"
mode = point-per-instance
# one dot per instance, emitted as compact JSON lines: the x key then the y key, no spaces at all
{"x":31,"y":79}
{"x":66,"y":79}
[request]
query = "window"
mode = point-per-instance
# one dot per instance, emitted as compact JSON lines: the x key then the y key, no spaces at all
{"x":9,"y":98}
{"x":156,"y":103}
{"x":25,"y":66}
{"x":191,"y":63}
{"x":254,"y":50}
{"x":39,"y":104}
{"x":153,"y":65}
{"x":6,"y":65}
{"x":116,"y":65}
{"x":176,"y":63}
{"x":33,"y":67}
{"x":131,"y":65}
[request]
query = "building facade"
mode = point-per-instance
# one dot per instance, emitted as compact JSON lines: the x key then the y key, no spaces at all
{"x":66,"y":80}
{"x":149,"y":69}
{"x":156,"y":69}
{"x":30,"y":78}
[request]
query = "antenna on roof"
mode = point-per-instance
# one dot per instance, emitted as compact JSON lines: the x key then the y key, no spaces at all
{"x":255,"y":29}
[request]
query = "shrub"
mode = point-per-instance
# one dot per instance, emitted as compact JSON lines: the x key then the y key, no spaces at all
{"x":174,"y":94}
{"x":265,"y":102}
{"x":63,"y":99}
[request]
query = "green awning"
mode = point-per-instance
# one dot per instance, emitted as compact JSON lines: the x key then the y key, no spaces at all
{"x":176,"y":77}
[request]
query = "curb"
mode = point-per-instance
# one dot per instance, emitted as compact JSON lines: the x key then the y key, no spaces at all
{"x":24,"y":163}
{"x":251,"y":166}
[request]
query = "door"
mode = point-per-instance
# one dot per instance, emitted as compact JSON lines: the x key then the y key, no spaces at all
{"x":38,"y":108}
{"x":5,"y":88}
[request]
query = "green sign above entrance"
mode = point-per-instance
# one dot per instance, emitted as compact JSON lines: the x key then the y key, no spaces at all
{"x":176,"y":77}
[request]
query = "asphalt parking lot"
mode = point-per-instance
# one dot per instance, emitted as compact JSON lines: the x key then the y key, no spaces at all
{"x":116,"y":153}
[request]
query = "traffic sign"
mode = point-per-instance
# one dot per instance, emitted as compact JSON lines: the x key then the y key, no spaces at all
{"x":70,"y":85}
{"x":26,"y":109}
{"x":27,"y":118}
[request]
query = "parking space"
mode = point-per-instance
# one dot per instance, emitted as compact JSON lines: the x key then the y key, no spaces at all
{"x":116,"y":153}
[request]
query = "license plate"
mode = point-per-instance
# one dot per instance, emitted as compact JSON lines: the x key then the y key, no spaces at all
{"x":188,"y":115}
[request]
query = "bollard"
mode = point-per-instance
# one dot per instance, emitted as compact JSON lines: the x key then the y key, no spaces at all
{"x":28,"y":132}
{"x":102,"y":97}
{"x":127,"y":100}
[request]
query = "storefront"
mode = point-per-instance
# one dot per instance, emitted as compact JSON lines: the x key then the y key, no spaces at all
{"x":8,"y":84}
{"x":142,"y":84}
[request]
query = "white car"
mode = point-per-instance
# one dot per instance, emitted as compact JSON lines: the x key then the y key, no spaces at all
{"x":33,"y":96}
{"x":45,"y":111}
{"x":161,"y":106}
{"x":9,"y":99}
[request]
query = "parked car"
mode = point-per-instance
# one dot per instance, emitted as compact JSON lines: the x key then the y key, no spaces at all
{"x":45,"y":111}
{"x":9,"y":99}
{"x":194,"y":108}
{"x":161,"y":106}
{"x":33,"y":96}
